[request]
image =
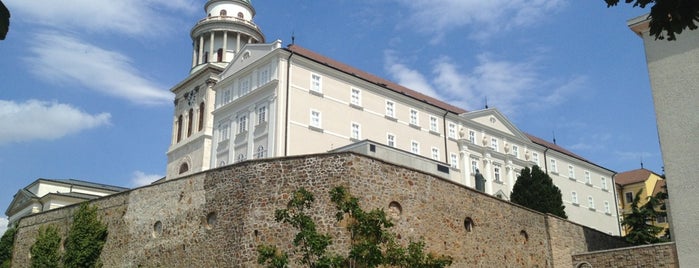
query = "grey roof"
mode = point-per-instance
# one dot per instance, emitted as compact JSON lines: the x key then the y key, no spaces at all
{"x":87,"y":184}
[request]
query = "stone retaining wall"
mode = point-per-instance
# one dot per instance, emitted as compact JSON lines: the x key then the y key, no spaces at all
{"x":658,"y":256}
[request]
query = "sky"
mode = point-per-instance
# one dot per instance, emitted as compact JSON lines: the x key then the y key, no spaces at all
{"x":85,"y":83}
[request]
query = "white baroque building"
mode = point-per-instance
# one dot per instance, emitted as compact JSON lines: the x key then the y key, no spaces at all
{"x":264,"y":100}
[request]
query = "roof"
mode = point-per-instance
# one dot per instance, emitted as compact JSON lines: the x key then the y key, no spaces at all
{"x":633,"y":176}
{"x":659,"y":187}
{"x":372,"y":78}
{"x":86,"y":184}
{"x":296,"y":49}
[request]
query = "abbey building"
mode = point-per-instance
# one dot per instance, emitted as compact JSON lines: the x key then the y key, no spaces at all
{"x":247,"y":99}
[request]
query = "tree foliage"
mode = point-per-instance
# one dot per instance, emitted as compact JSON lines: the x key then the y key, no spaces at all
{"x":371,"y":244}
{"x":85,"y":239}
{"x":6,"y":244}
{"x":535,"y":189}
{"x":668,"y":16}
{"x":44,"y":252}
{"x":639,"y":222}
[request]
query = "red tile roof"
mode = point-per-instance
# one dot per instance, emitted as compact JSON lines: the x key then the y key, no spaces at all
{"x":659,"y":187}
{"x":633,"y":176}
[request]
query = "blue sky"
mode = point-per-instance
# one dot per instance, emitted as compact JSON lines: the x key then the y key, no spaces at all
{"x":85,"y":83}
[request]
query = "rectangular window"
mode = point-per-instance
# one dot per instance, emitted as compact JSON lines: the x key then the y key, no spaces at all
{"x":315,"y":119}
{"x":629,"y":197}
{"x":535,"y":158}
{"x":316,"y":83}
{"x":607,"y":209}
{"x":496,"y":173}
{"x":415,"y":147}
{"x":472,"y":136}
{"x":434,"y":126}
{"x":413,"y":117}
{"x":574,"y":197}
{"x":661,"y":219}
{"x":356,"y":97}
{"x":588,"y":179}
{"x":226,"y":96}
{"x":603,"y":182}
{"x":244,"y":86}
{"x":435,"y":153}
{"x":390,"y":109}
{"x":515,"y":151}
{"x":554,"y":168}
{"x":242,"y":124}
{"x":356,"y":131}
{"x":453,"y":160}
{"x":261,"y":115}
{"x":474,"y":166}
{"x":263,"y":76}
{"x":223,"y":132}
{"x":451,"y":130}
{"x":571,"y":172}
{"x":391,"y":140}
{"x":590,"y":202}
{"x":494,"y":144}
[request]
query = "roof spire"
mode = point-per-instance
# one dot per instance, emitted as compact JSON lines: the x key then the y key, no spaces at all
{"x":486,"y":102}
{"x":641,"y":161}
{"x":554,"y":136}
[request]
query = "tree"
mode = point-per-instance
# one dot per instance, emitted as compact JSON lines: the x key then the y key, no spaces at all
{"x":669,"y":16}
{"x":639,"y":222}
{"x":44,"y":251}
{"x":6,"y":244}
{"x":85,"y":239}
{"x":535,"y":189}
{"x":4,"y":20}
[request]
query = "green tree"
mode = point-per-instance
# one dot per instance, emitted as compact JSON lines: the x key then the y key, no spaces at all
{"x":639,"y":222}
{"x":669,"y":16}
{"x":535,"y":189}
{"x":6,"y":244}
{"x":85,"y":239}
{"x":44,"y":251}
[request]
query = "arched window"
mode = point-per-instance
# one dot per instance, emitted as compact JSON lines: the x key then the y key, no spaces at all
{"x":201,"y":116}
{"x":261,"y":151}
{"x":219,"y":55}
{"x":190,"y":122}
{"x":223,"y":12}
{"x":240,"y":15}
{"x":184,"y":168}
{"x":179,"y":128}
{"x":206,"y":57}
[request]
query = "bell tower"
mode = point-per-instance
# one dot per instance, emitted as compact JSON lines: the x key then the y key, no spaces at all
{"x":225,"y":29}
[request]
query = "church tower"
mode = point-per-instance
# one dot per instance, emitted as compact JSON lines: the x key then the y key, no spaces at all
{"x":216,"y":38}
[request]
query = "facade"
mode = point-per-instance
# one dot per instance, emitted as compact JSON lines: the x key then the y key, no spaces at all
{"x":631,"y":182}
{"x":271,"y":101}
{"x":46,"y":194}
{"x":672,"y":67}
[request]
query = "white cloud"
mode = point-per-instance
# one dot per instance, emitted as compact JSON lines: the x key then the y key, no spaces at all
{"x":144,"y":18}
{"x":484,"y":17}
{"x":40,"y":120}
{"x":140,"y":178}
{"x":65,"y":59}
{"x":3,"y":225}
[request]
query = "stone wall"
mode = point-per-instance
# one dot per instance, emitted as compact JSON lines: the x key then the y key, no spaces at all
{"x":658,"y":255}
{"x":217,"y":218}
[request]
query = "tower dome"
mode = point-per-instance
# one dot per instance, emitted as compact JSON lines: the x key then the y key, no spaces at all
{"x":227,"y":27}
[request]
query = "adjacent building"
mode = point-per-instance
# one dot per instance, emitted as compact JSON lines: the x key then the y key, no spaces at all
{"x":263,"y":100}
{"x":46,"y":194}
{"x":645,"y":182}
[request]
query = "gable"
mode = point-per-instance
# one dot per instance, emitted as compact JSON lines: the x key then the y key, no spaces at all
{"x":492,"y":119}
{"x":22,"y":199}
{"x":248,"y":54}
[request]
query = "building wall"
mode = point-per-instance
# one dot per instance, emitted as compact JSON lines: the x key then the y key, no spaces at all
{"x":218,"y":217}
{"x":656,"y":255}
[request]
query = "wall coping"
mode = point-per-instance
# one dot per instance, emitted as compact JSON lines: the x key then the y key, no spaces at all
{"x":626,"y":248}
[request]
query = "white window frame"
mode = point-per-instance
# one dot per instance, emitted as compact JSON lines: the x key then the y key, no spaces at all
{"x":494,"y":144}
{"x":515,"y":151}
{"x":554,"y":166}
{"x":261,"y":115}
{"x":474,"y":165}
{"x":316,"y":119}
{"x":223,"y":132}
{"x":590,"y":202}
{"x":391,"y":140}
{"x":472,"y":136}
{"x":451,"y":130}
{"x":496,"y":173}
{"x":588,"y":177}
{"x":414,"y":117}
{"x":626,"y":197}
{"x":434,"y":124}
{"x":535,"y":157}
{"x":571,"y":172}
{"x":607,"y":208}
{"x":435,"y":153}
{"x":415,"y":147}
{"x":574,"y":197}
{"x":390,"y":109}
{"x":242,"y":124}
{"x":356,"y":96}
{"x":316,"y":83}
{"x":454,"y":160}
{"x":260,"y":152}
{"x":603,"y":182}
{"x":356,"y":131}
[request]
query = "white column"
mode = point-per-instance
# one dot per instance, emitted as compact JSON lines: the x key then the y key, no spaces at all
{"x":194,"y":54}
{"x":211,"y":47}
{"x":465,"y":166}
{"x":251,"y":137}
{"x":271,"y":126}
{"x":237,"y":43}
{"x":510,"y":177}
{"x":201,"y":49}
{"x":488,"y":174}
{"x":225,"y":45}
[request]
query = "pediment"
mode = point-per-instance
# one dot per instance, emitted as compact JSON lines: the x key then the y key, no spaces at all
{"x":21,"y":200}
{"x":248,"y":54}
{"x":492,"y":119}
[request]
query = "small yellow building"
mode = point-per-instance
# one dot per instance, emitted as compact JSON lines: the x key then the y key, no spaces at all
{"x":629,"y":183}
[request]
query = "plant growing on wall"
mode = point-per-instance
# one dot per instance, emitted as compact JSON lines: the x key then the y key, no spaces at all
{"x":44,"y":251}
{"x":85,"y":239}
{"x":6,"y":244}
{"x":535,"y":189}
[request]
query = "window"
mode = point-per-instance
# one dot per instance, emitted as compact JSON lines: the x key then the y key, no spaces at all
{"x":390,"y":109}
{"x":391,"y":140}
{"x":316,"y":83}
{"x":413,"y":117}
{"x":226,"y":96}
{"x":628,"y":197}
{"x":223,"y":132}
{"x":240,"y":15}
{"x":179,"y":128}
{"x":603,"y":182}
{"x":515,"y":151}
{"x":571,"y":172}
{"x":263,"y":76}
{"x":244,"y":86}
{"x":435,"y":153}
{"x":588,"y":179}
{"x":201,"y":116}
{"x":184,"y":168}
{"x":434,"y":126}
{"x":494,"y":144}
{"x":474,"y":166}
{"x":453,"y":160}
{"x":190,"y":122}
{"x":223,"y":12}
{"x":554,"y":168}
{"x":240,"y":158}
{"x":574,"y":197}
{"x":355,"y":131}
{"x":472,"y":136}
{"x":315,"y":119}
{"x":607,"y":209}
{"x":261,"y":152}
{"x":242,"y":124}
{"x":261,"y":115}
{"x":590,"y":202}
{"x":496,"y":173}
{"x":356,"y":97}
{"x":535,"y":158}
{"x":451,"y":130}
{"x":415,"y":147}
{"x":661,"y":219}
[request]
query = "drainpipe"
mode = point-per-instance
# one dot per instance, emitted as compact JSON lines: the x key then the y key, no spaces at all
{"x":444,"y":126}
{"x":546,"y":162}
{"x":286,"y":112}
{"x":616,"y":203}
